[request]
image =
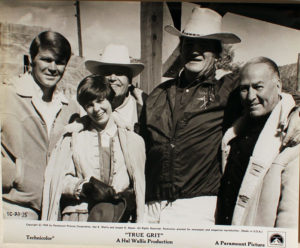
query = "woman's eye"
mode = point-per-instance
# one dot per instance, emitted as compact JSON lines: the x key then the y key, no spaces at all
{"x":48,"y":60}
{"x":60,"y":62}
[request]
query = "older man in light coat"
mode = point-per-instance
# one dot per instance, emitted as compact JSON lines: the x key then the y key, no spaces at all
{"x":260,"y":183}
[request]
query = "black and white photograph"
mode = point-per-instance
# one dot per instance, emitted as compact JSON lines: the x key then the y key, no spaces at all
{"x":149,"y":124}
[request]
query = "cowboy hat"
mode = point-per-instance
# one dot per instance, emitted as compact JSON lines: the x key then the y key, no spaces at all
{"x":204,"y":24}
{"x":114,"y":56}
{"x":108,"y":211}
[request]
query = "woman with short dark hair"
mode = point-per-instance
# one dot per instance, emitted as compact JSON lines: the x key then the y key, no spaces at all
{"x":102,"y":170}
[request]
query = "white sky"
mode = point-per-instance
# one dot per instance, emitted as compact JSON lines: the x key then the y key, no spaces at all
{"x":261,"y":38}
{"x":119,"y":22}
{"x":101,"y":22}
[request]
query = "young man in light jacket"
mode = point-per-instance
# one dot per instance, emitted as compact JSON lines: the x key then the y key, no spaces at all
{"x":260,"y":182}
{"x":33,"y":113}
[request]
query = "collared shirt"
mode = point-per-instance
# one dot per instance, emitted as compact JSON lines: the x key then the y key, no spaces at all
{"x":48,"y":110}
{"x":185,"y":91}
{"x":25,"y":136}
{"x":241,"y":149}
{"x":127,"y":112}
{"x":87,"y":162}
{"x":183,"y":137}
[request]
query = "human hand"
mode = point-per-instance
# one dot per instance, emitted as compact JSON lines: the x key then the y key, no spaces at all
{"x":129,"y":195}
{"x":97,"y":191}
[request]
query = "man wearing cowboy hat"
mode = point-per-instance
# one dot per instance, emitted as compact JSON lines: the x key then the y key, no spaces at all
{"x":116,"y":66}
{"x":183,"y":129}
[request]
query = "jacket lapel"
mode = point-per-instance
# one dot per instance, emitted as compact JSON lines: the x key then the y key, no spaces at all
{"x":265,"y":151}
{"x":133,"y":149}
{"x":54,"y":175}
{"x":160,"y":107}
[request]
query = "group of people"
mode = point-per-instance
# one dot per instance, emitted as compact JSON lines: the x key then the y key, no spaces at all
{"x":197,"y":150}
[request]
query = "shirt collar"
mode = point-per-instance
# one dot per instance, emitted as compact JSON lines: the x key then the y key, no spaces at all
{"x":183,"y":84}
{"x":125,"y":102}
{"x":25,"y":86}
{"x":110,"y":129}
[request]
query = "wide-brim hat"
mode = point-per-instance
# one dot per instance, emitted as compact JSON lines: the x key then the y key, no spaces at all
{"x":114,"y":56}
{"x":107,"y":211}
{"x":204,"y":24}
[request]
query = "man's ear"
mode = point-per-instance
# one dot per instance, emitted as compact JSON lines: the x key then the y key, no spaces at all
{"x":27,"y":63}
{"x":31,"y":62}
{"x":279,"y":85}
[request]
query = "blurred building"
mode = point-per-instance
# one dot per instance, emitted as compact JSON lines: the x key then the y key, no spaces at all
{"x":15,"y":40}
